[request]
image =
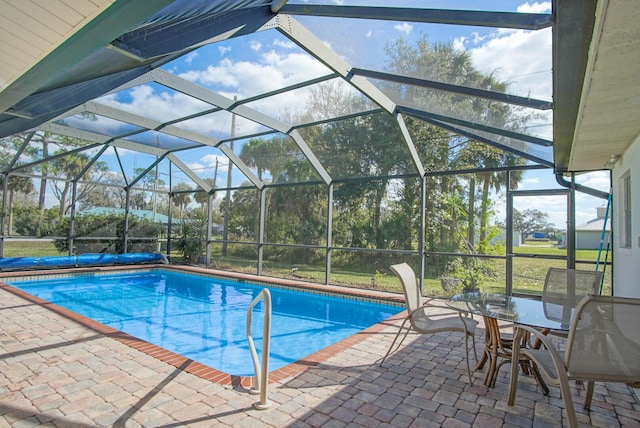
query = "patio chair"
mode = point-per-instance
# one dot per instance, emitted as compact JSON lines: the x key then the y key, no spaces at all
{"x":422,"y":322}
{"x":563,"y":290}
{"x":603,"y":345}
{"x":571,"y":284}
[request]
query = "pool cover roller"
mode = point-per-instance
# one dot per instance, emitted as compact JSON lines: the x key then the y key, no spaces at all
{"x":89,"y":259}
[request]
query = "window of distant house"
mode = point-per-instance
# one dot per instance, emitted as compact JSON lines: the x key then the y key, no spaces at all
{"x":625,"y":211}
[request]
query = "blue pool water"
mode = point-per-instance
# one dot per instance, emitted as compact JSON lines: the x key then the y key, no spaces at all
{"x":204,"y":318}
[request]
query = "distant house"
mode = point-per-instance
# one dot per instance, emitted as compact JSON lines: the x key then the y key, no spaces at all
{"x":589,"y":234}
{"x":143,"y":214}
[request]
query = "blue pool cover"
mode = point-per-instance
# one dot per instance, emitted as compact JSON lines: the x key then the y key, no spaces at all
{"x":89,"y":259}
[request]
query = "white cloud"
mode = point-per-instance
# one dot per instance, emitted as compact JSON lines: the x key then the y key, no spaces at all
{"x":163,"y":106}
{"x":597,"y":180}
{"x":542,"y":7}
{"x":97,"y":124}
{"x":255,"y":45}
{"x":195,"y":166}
{"x":224,"y":49}
{"x":213,"y":75}
{"x":459,"y":42}
{"x":369,"y":33}
{"x":555,"y":206}
{"x":122,"y":152}
{"x":531,"y":180}
{"x":522,"y":58}
{"x":478,"y":38}
{"x":405,"y":27}
{"x":271,"y":71}
{"x":212,"y":160}
{"x":287,"y":44}
{"x":188,"y":58}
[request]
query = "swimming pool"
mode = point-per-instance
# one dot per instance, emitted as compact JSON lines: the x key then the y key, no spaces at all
{"x":203,"y":317}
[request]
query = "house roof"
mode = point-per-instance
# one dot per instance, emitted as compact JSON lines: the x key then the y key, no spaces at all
{"x":597,"y":223}
{"x":594,"y":225}
{"x":143,"y":214}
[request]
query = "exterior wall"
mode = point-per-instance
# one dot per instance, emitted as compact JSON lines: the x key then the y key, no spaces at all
{"x":626,"y":261}
{"x":590,"y":240}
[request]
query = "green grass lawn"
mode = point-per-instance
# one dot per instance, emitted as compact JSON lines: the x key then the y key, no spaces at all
{"x":528,"y":275}
{"x":590,"y":255}
{"x":31,"y":248}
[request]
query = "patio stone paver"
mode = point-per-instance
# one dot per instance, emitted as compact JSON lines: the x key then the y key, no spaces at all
{"x":55,"y":372}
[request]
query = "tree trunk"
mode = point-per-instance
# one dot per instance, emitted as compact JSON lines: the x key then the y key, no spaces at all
{"x":63,"y":199}
{"x":471,"y":212}
{"x":484,"y":210}
{"x":447,"y":234}
{"x":43,"y":181}
{"x":377,"y":213}
{"x":10,"y":219}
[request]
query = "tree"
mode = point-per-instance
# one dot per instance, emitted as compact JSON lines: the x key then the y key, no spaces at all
{"x":441,"y":62}
{"x":244,"y":211}
{"x":480,"y":155}
{"x":191,"y":243}
{"x":112,"y":194}
{"x":530,"y":220}
{"x":31,"y":221}
{"x":70,"y":168}
{"x":202,"y":197}
{"x":56,"y":167}
{"x":106,"y":225}
{"x":17,"y":185}
{"x":43,"y":138}
{"x":374,"y":146}
{"x":151,"y":183}
{"x":65,"y":164}
{"x":297,"y":214}
{"x":256,"y":153}
{"x":181,"y":197}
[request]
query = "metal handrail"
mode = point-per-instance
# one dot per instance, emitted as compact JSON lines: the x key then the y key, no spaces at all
{"x":261,"y":383}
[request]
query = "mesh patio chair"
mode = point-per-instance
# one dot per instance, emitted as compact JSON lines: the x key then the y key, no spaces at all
{"x":603,"y":345}
{"x":563,"y":290}
{"x":422,"y":322}
{"x":571,"y":284}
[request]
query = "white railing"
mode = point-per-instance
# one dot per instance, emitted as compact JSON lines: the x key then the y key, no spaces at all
{"x":261,"y":382}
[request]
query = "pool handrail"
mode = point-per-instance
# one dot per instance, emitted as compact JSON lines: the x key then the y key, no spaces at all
{"x":261,"y":383}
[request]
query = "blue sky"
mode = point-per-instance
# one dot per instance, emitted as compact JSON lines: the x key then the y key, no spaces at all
{"x":264,"y":61}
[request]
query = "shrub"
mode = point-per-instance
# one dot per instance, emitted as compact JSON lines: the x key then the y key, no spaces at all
{"x":30,"y":221}
{"x":111,"y":228}
{"x":191,"y":244}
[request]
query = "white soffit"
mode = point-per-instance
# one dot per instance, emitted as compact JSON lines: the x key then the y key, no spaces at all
{"x":610,"y":105}
{"x":32,"y":29}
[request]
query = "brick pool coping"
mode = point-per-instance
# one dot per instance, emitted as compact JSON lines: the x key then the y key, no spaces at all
{"x":198,"y":369}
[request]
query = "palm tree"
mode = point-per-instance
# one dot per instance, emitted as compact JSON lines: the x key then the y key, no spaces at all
{"x":255,"y":153}
{"x":16,"y":184}
{"x":181,"y":199}
{"x":202,"y":197}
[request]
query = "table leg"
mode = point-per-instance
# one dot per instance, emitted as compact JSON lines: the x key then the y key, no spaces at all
{"x":496,"y":347}
{"x":491,"y":350}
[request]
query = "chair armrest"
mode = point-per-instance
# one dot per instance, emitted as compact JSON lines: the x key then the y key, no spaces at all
{"x":428,"y":305}
{"x":545,"y":340}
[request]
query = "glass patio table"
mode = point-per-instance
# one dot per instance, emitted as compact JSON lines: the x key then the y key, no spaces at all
{"x":494,"y":307}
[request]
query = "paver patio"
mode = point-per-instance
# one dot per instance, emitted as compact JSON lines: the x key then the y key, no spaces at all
{"x":56,"y":372}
